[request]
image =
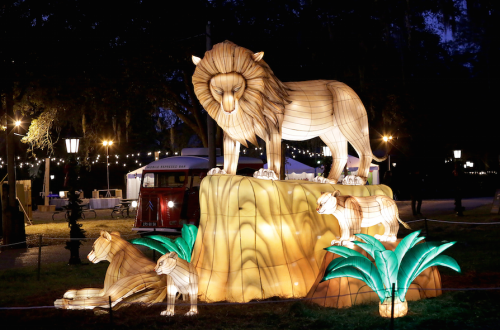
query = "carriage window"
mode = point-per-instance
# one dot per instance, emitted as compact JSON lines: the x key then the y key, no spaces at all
{"x":149,"y":180}
{"x":194,"y":180}
{"x":164,"y":180}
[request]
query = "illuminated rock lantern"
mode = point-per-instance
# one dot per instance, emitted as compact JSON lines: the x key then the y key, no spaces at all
{"x":240,"y":91}
{"x":261,"y":238}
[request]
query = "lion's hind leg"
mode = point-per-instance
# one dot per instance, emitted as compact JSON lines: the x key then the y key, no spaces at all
{"x":78,"y":304}
{"x":171,"y":294}
{"x":388,"y":220}
{"x":124,"y":288}
{"x":337,"y":144}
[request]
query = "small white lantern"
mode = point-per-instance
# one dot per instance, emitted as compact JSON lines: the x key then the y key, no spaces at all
{"x":72,"y":145}
{"x":457,"y":153}
{"x":327,"y":151}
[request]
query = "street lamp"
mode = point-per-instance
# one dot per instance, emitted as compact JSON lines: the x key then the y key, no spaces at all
{"x":387,"y":139}
{"x":107,"y":144}
{"x":72,"y":145}
{"x":457,"y":154}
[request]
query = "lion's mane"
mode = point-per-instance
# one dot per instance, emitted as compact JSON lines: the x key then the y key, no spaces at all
{"x":264,"y":99}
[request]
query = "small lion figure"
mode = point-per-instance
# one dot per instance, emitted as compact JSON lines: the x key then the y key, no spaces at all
{"x":182,"y":277}
{"x":354,"y":213}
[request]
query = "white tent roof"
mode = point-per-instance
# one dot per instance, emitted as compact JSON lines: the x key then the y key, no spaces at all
{"x":298,"y":167}
{"x":134,"y":173}
{"x":353,"y":164}
{"x":291,"y":165}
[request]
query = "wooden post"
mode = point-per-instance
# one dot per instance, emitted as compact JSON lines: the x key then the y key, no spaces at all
{"x":39,"y":257}
{"x":47,"y":181}
{"x":46,"y":207}
{"x":110,"y":311}
{"x":392,"y":303}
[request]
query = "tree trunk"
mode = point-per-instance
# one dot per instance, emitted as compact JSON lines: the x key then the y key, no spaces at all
{"x":13,"y":222}
{"x":283,"y":160}
{"x":172,"y":138}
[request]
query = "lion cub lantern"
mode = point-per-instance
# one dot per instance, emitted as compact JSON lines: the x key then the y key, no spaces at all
{"x":353,"y":213}
{"x":182,"y":277}
{"x":242,"y":94}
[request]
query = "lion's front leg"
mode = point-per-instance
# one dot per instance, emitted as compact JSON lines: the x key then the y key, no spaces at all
{"x":83,"y":293}
{"x":193,"y":292}
{"x":346,"y":233}
{"x":273,"y":151}
{"x":231,"y":154}
{"x":171,"y":294}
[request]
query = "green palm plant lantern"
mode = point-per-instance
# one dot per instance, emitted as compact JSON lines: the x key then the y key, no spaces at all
{"x":400,"y":267}
{"x":182,"y":245}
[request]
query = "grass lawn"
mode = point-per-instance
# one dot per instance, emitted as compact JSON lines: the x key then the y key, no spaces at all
{"x":58,"y":228}
{"x":477,"y":253}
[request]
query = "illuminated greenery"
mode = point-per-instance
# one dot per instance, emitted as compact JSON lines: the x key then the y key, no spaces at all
{"x":401,"y":266}
{"x":182,"y":245}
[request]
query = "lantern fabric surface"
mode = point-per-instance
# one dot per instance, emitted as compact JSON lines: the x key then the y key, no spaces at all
{"x":240,"y":92}
{"x":347,"y":291}
{"x":260,"y":238}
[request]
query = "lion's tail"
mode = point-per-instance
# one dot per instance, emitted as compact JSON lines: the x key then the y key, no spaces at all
{"x":402,"y":222}
{"x":375,"y":158}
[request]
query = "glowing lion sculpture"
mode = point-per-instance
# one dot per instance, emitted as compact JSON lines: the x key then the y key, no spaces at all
{"x":354,"y":213}
{"x":130,"y":277}
{"x":182,"y":277}
{"x":239,"y":90}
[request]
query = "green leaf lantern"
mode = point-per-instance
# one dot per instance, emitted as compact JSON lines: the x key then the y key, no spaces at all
{"x":183,"y":245}
{"x":400,"y":267}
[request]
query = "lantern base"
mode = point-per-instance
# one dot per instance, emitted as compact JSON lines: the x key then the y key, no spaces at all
{"x":400,"y":308}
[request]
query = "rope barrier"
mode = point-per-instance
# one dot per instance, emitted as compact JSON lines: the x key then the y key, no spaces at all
{"x":265,"y":302}
{"x":13,"y":244}
{"x":456,"y":222}
{"x":62,"y":238}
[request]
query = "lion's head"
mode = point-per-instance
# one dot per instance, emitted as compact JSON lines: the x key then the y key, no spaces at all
{"x":166,"y":263}
{"x":239,"y":90}
{"x":327,"y":202}
{"x":102,"y":246}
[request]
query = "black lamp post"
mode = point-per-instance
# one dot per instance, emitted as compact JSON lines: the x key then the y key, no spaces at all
{"x":457,"y":176}
{"x":76,"y":232}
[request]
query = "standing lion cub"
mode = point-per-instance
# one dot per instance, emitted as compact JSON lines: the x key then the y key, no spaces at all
{"x":182,"y":277}
{"x":354,"y":213}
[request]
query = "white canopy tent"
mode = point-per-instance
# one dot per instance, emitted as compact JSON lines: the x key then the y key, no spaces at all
{"x":352,"y":168}
{"x":295,"y":170}
{"x":134,"y":183}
